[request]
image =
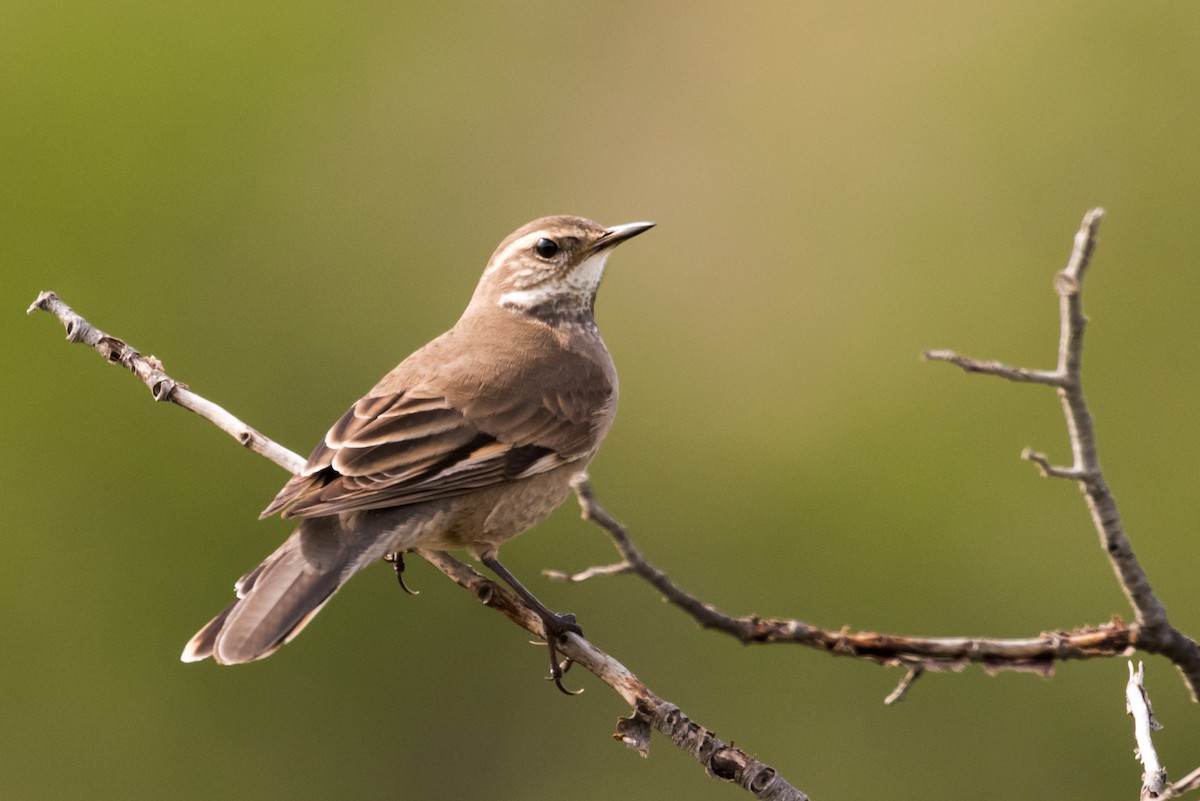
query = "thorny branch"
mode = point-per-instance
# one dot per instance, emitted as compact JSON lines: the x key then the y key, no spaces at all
{"x":721,"y":760}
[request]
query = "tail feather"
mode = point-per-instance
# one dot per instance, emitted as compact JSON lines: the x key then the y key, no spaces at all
{"x":201,"y":646}
{"x":277,"y":599}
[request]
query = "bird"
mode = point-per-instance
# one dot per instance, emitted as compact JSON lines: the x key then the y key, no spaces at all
{"x":468,"y":442}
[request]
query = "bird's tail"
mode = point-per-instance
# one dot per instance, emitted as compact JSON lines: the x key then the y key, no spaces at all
{"x":277,"y":599}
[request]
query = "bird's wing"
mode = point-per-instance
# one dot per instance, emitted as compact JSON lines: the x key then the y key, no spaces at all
{"x":405,"y":447}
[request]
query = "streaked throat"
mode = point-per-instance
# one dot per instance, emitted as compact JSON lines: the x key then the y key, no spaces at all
{"x":566,"y":298}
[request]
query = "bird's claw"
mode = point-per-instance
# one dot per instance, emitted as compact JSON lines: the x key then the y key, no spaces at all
{"x":556,"y":627}
{"x":556,"y":675}
{"x":397,"y":562}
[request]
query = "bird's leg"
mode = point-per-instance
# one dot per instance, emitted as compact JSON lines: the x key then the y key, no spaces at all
{"x":397,"y":561}
{"x":556,"y":624}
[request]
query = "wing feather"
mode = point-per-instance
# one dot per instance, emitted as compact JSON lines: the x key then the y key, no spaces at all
{"x":394,"y":458}
{"x":432,"y":429}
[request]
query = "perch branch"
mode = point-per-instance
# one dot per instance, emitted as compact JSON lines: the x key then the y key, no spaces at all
{"x":721,"y":760}
{"x":164,"y":388}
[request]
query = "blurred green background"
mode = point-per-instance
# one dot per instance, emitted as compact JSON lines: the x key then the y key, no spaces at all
{"x":283,"y":199}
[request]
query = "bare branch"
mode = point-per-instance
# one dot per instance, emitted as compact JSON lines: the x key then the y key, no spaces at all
{"x":1152,"y":631}
{"x":164,"y":388}
{"x":1137,"y":704}
{"x":1035,"y":654}
{"x":721,"y":760}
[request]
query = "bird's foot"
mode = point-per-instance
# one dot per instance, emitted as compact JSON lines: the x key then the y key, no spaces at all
{"x":557,"y":625}
{"x":397,"y":562}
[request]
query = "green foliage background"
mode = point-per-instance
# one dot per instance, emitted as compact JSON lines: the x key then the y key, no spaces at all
{"x":282,"y":199}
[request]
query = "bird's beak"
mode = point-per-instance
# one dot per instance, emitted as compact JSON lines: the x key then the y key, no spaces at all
{"x":619,"y":233}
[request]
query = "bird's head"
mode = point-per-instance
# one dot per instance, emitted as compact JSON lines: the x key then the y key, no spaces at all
{"x":551,"y":268}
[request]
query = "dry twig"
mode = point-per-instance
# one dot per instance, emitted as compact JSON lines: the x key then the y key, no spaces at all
{"x":1185,"y":785}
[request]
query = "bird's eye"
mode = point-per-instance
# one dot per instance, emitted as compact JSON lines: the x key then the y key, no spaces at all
{"x":546,"y":248}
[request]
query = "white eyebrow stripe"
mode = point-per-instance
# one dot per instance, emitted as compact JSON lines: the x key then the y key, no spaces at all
{"x":504,"y":255}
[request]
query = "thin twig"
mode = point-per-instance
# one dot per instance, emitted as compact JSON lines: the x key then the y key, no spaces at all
{"x":901,"y":691}
{"x":1018,"y":374}
{"x":590,"y":573}
{"x":1185,"y":785}
{"x":720,"y":760}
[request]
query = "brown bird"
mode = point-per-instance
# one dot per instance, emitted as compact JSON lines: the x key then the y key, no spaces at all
{"x":467,"y":443}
